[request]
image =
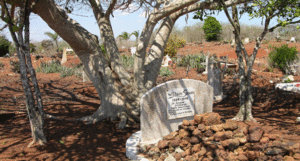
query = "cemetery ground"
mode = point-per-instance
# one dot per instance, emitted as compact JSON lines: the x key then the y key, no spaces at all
{"x":70,"y":98}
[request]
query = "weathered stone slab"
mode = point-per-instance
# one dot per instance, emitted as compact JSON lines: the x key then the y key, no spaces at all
{"x":154,"y":107}
{"x":64,"y":56}
{"x":295,"y":87}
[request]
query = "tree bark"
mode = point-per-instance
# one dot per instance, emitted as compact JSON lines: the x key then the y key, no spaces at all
{"x":35,"y":113}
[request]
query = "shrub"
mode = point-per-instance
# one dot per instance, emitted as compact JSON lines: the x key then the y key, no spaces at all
{"x":32,"y":48}
{"x":165,"y":71}
{"x":127,"y":61}
{"x":47,"y":44}
{"x":1,"y":65}
{"x":103,"y":48}
{"x":4,"y":46}
{"x":194,"y":61}
{"x":212,"y":28}
{"x":173,"y":44}
{"x":281,"y":57}
{"x":56,"y":67}
{"x":15,"y":66}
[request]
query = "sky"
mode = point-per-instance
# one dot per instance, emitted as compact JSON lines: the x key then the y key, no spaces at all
{"x":122,"y":21}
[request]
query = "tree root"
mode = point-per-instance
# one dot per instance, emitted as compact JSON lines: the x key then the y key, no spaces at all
{"x":58,"y":118}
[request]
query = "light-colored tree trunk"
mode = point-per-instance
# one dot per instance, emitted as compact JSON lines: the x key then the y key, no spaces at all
{"x":35,"y":113}
{"x":118,"y":91}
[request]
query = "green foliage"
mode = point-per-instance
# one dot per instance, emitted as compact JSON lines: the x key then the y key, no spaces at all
{"x":56,"y":67}
{"x":103,"y":48}
{"x":165,"y":71}
{"x":127,"y":61}
{"x":15,"y":66}
{"x":4,"y":46}
{"x":1,"y":65}
{"x":173,"y":44}
{"x":32,"y":48}
{"x":280,"y":57}
{"x":193,"y":61}
{"x":212,"y":28}
{"x":125,"y":35}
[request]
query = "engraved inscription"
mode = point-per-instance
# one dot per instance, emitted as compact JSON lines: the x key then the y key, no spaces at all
{"x":181,"y":102}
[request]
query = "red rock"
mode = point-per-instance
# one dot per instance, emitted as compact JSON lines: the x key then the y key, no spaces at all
{"x":208,"y":119}
{"x":191,"y":128}
{"x":195,"y":140}
{"x":253,"y":129}
{"x":196,"y":132}
{"x":162,"y":144}
{"x":242,"y":157}
{"x":174,"y":143}
{"x":297,"y":156}
{"x":188,"y":158}
{"x":264,"y":140}
{"x":192,"y":122}
{"x":184,"y":143}
{"x":220,"y":136}
{"x":216,"y":128}
{"x":202,"y":151}
{"x":183,"y":133}
{"x":255,"y":136}
{"x":252,"y":155}
{"x":271,"y":136}
{"x":196,"y":148}
{"x":243,"y":140}
{"x":182,"y":154}
{"x":177,"y":156}
{"x":188,"y":151}
{"x":171,"y":136}
{"x":208,"y":133}
{"x":230,"y":125}
{"x":201,"y":127}
{"x":288,"y":158}
{"x":185,"y":123}
{"x":230,"y":143}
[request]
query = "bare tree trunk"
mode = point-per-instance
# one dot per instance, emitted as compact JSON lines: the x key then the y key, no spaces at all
{"x":35,"y":113}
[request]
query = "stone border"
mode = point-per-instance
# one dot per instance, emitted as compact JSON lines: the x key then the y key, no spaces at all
{"x":132,"y":149}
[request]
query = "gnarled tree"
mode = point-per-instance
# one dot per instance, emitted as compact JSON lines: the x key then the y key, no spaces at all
{"x":119,"y":91}
{"x":286,"y":12}
{"x":21,"y":40}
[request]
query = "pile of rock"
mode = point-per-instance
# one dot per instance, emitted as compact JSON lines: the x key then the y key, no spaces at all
{"x":205,"y":138}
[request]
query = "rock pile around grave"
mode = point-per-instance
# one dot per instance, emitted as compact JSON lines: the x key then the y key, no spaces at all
{"x":205,"y":138}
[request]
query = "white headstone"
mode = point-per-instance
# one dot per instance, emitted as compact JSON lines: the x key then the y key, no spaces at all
{"x":293,"y":39}
{"x":246,"y":40}
{"x":165,"y":106}
{"x":232,"y":43}
{"x":133,"y":50}
{"x":64,"y":56}
{"x":166,"y":61}
{"x":295,"y":87}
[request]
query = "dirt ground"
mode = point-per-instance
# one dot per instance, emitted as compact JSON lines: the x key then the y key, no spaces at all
{"x":71,"y":98}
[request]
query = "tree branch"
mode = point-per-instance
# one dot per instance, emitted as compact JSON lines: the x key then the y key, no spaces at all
{"x":110,"y":8}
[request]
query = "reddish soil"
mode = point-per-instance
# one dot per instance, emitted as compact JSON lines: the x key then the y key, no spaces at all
{"x":70,"y":98}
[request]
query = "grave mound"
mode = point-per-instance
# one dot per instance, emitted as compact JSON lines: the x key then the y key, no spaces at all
{"x":207,"y":138}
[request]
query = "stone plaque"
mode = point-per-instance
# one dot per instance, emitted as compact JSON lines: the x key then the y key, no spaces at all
{"x":155,"y":122}
{"x":181,"y":103}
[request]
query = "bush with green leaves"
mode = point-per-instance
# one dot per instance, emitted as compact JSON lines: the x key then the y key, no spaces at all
{"x":4,"y":46}
{"x":1,"y":65}
{"x":281,"y":57}
{"x":56,"y":67}
{"x":32,"y":48}
{"x":173,"y":44}
{"x":212,"y":28}
{"x":165,"y":71}
{"x":194,"y":61}
{"x":15,"y":66}
{"x":127,"y":61}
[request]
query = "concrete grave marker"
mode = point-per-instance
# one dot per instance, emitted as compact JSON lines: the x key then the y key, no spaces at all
{"x":64,"y":56}
{"x":133,"y":50}
{"x":246,"y":40}
{"x":293,"y":39}
{"x":165,"y":106}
